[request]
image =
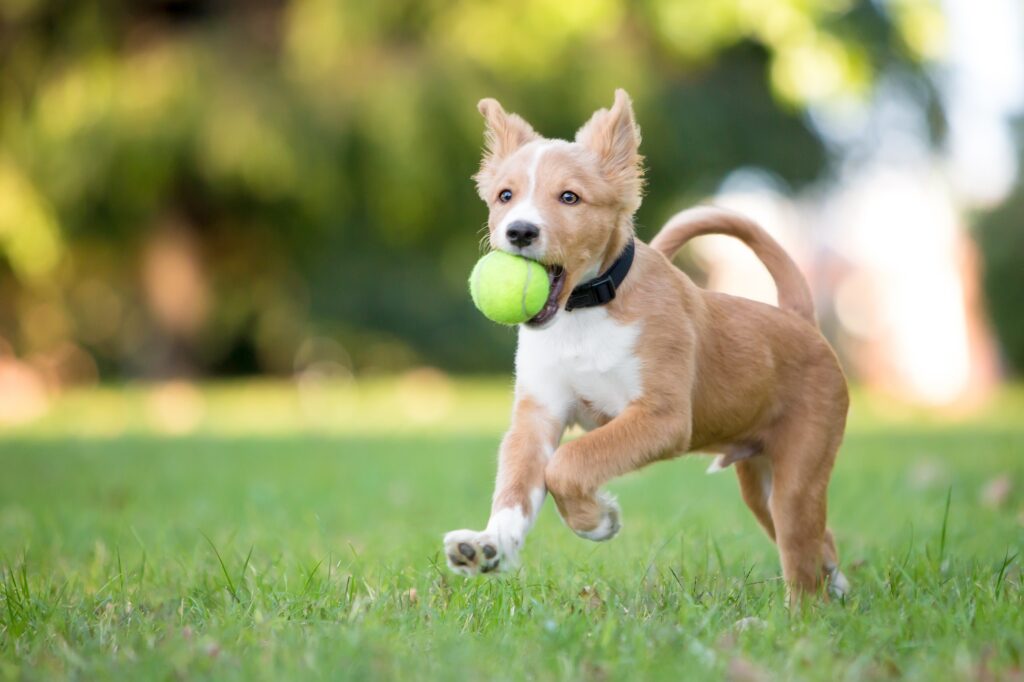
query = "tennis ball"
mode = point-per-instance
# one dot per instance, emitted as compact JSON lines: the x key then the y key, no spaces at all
{"x":508,"y":289}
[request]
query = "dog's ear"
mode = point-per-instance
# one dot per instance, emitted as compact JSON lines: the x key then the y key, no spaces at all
{"x":613,"y":135}
{"x":505,"y":132}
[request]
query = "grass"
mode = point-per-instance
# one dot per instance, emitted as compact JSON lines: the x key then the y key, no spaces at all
{"x":283,"y":535}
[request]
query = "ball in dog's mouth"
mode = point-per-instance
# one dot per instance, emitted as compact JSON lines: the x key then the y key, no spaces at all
{"x":556,"y":276}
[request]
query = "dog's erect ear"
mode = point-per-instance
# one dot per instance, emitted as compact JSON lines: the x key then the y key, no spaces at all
{"x":505,"y":132}
{"x":613,"y":135}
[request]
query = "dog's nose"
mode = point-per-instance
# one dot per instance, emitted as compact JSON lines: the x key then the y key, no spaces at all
{"x":522,"y":233}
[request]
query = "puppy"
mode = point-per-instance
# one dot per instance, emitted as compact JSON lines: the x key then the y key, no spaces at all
{"x":648,"y":363}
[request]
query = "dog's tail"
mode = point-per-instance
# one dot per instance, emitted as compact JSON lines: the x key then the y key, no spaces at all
{"x":794,"y":294}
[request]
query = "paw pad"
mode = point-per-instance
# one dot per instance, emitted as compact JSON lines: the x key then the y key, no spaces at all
{"x":471,"y":553}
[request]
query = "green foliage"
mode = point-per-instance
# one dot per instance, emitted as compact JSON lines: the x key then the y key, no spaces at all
{"x":299,"y":556}
{"x":1001,"y":242}
{"x":315,"y":155}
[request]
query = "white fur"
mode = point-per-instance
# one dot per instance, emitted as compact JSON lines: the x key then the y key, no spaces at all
{"x":610,"y":521}
{"x":537,"y":496}
{"x":602,"y":532}
{"x":717,"y":464}
{"x":525,"y":207}
{"x":581,"y":355}
{"x":838,"y":585}
{"x":506,"y":531}
{"x":508,"y":527}
{"x":476,"y":540}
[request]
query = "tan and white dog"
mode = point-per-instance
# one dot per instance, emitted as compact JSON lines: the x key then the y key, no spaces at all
{"x":663,"y":369}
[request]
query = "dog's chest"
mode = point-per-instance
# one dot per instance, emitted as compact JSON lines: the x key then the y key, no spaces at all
{"x":583,"y":357}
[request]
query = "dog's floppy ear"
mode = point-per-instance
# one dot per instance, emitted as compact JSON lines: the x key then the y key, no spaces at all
{"x":613,"y":135}
{"x":505,"y":132}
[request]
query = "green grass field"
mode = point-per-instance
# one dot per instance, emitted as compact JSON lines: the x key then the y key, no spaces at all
{"x":295,"y":534}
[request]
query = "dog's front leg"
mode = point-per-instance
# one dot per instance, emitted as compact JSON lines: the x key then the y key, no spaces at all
{"x":518,"y":494}
{"x":580,"y":467}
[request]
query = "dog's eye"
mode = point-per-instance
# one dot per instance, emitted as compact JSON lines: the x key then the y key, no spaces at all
{"x":569,"y":198}
{"x":505,"y":196}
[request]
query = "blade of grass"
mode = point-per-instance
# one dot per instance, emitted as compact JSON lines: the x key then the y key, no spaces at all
{"x":248,"y":557}
{"x":1007,"y":560}
{"x":309,"y":576}
{"x":224,"y":569}
{"x":120,"y":573}
{"x":945,"y":526}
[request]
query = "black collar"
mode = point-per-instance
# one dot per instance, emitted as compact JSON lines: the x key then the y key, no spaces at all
{"x":601,"y":289}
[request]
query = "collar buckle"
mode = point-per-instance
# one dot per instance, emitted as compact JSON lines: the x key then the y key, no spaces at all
{"x":602,"y":288}
{"x":596,"y":292}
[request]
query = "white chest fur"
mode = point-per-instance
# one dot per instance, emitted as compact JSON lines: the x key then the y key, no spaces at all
{"x":584,"y":355}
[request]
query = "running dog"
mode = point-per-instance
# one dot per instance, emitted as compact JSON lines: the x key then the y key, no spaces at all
{"x":651,"y":365}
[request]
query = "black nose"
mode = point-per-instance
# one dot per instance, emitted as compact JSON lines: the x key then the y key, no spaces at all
{"x":522,"y":233}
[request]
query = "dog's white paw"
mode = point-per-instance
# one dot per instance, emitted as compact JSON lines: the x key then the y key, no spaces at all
{"x":471,"y":552}
{"x":495,"y":549}
{"x":610,"y":523}
{"x":838,"y":585}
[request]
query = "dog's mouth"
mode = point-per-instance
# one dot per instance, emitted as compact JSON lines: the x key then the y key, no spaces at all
{"x":556,"y":276}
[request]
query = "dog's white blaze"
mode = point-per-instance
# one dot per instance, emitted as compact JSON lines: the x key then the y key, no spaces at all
{"x":581,"y":355}
{"x":526,"y":208}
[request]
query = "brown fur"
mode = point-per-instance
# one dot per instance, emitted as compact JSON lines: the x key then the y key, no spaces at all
{"x":524,"y":451}
{"x":794,"y":294}
{"x":607,"y":175}
{"x":720,"y":373}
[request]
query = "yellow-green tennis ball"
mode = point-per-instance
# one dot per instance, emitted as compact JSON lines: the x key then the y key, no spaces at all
{"x":508,"y":289}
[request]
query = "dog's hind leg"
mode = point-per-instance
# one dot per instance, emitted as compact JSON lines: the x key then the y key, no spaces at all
{"x":802,"y":453}
{"x":755,"y":478}
{"x":518,"y":495}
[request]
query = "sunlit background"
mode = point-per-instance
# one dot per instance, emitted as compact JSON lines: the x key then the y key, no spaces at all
{"x":197,"y":190}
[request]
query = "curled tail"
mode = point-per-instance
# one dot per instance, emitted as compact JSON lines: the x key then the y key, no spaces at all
{"x":794,"y":294}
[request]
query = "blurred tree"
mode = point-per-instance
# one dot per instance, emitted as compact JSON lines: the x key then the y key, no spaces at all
{"x":1001,"y":240}
{"x":196,"y":186}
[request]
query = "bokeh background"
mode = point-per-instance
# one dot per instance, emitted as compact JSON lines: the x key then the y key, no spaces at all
{"x":243,"y":391}
{"x":193,"y":189}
